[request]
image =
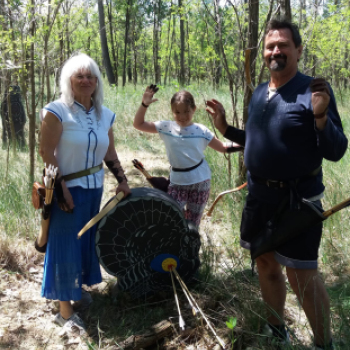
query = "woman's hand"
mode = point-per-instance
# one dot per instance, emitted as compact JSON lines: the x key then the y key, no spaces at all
{"x":123,"y":187}
{"x":64,"y":197}
{"x":147,"y":97}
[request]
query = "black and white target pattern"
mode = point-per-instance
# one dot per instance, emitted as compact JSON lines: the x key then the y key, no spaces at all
{"x":141,"y":237}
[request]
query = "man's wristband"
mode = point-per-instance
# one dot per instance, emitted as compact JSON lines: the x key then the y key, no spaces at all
{"x":146,"y":106}
{"x":321,"y":115}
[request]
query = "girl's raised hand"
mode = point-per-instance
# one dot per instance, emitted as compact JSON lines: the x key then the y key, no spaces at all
{"x":147,"y":97}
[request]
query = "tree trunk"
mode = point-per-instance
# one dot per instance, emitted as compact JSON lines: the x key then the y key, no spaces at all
{"x":5,"y":73}
{"x":182,"y":46}
{"x":67,"y":36}
{"x":32,"y":115}
{"x":134,"y":49}
{"x":168,"y":48}
{"x":49,"y":24}
{"x":126,"y":39}
{"x":217,"y":37}
{"x":156,"y":39}
{"x":104,"y":45}
{"x":111,"y":31}
{"x":285,"y":11}
{"x":302,"y":14}
{"x":252,"y":45}
{"x":188,"y":55}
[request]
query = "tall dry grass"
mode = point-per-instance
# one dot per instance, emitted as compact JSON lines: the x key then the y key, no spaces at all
{"x":225,"y":275}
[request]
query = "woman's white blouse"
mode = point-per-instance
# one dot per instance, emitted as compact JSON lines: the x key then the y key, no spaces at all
{"x":84,"y":141}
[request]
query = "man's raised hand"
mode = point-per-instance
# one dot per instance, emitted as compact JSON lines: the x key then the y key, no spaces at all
{"x":217,"y":111}
{"x":320,"y":97}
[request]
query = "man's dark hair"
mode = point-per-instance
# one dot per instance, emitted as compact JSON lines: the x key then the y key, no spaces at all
{"x":276,"y":24}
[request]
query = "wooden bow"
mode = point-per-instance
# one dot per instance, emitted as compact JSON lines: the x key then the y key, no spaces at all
{"x":221,"y":195}
{"x":247,"y":69}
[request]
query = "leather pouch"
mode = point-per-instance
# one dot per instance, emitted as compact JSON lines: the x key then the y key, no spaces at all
{"x":38,"y":195}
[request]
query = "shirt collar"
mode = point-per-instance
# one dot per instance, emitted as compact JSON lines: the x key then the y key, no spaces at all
{"x":83,"y":108}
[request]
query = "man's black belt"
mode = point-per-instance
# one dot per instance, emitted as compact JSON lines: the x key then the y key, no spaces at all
{"x":270,"y":183}
{"x":280,"y":183}
{"x":187,"y":169}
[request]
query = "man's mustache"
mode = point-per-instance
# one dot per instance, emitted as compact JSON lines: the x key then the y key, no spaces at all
{"x":281,"y":55}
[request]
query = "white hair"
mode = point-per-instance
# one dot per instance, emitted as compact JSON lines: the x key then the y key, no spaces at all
{"x":74,"y":65}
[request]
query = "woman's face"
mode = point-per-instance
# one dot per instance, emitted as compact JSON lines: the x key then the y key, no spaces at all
{"x":83,"y":84}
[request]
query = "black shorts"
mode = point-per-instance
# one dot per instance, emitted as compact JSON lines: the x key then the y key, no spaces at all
{"x":300,"y":252}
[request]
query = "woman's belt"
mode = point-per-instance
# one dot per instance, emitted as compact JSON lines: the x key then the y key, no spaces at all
{"x":187,"y":169}
{"x":82,"y":173}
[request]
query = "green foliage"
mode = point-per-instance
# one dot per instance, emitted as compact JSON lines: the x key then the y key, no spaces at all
{"x":231,"y":322}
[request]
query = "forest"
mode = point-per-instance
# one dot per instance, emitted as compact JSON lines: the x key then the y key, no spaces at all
{"x":174,"y":42}
{"x":212,"y":48}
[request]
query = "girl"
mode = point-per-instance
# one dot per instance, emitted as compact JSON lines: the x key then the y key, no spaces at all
{"x":185,"y":142}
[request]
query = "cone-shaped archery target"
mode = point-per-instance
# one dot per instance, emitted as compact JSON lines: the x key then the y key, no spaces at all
{"x":142,"y":237}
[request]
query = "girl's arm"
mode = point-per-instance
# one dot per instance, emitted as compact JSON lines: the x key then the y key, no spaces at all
{"x":219,"y":146}
{"x":139,"y":120}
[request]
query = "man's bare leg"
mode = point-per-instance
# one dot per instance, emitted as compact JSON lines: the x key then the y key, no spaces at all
{"x":273,"y":287}
{"x":313,"y":297}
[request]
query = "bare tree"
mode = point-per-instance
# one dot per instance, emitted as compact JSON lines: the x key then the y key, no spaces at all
{"x":126,"y":38}
{"x":156,"y":39}
{"x":182,"y":46}
{"x":253,"y":30}
{"x":285,"y":11}
{"x":113,"y":42}
{"x":32,"y":115}
{"x":104,"y":45}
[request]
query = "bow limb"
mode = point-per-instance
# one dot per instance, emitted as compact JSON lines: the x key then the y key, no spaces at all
{"x":247,"y":69}
{"x":336,"y":208}
{"x":116,"y":199}
{"x":210,"y":211}
{"x":139,"y":166}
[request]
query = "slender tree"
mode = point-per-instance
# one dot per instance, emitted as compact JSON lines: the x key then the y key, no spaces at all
{"x":126,"y":38}
{"x":104,"y":45}
{"x":32,"y":115}
{"x":182,"y":45}
{"x":156,"y":39}
{"x":285,"y":11}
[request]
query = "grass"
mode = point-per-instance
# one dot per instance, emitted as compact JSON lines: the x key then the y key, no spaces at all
{"x":226,"y":286}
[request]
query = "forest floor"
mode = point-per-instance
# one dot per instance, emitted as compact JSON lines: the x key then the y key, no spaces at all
{"x":26,"y":318}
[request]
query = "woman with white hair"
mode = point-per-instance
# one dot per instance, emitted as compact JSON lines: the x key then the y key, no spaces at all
{"x":76,"y":137}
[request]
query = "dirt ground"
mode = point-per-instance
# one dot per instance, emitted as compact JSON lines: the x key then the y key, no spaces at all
{"x":26,"y":317}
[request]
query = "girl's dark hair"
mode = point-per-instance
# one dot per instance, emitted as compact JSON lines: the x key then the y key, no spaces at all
{"x":276,"y":24}
{"x":183,"y":97}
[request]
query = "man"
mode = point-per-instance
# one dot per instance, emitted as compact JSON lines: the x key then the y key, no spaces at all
{"x":293,"y":124}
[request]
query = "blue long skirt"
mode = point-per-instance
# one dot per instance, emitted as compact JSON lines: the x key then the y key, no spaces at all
{"x":71,"y":262}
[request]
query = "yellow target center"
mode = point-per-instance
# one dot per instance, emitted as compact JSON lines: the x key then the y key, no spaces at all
{"x":169,"y":262}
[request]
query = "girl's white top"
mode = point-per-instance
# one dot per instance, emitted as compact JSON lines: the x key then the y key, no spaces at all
{"x":84,"y":141}
{"x":184,"y":148}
